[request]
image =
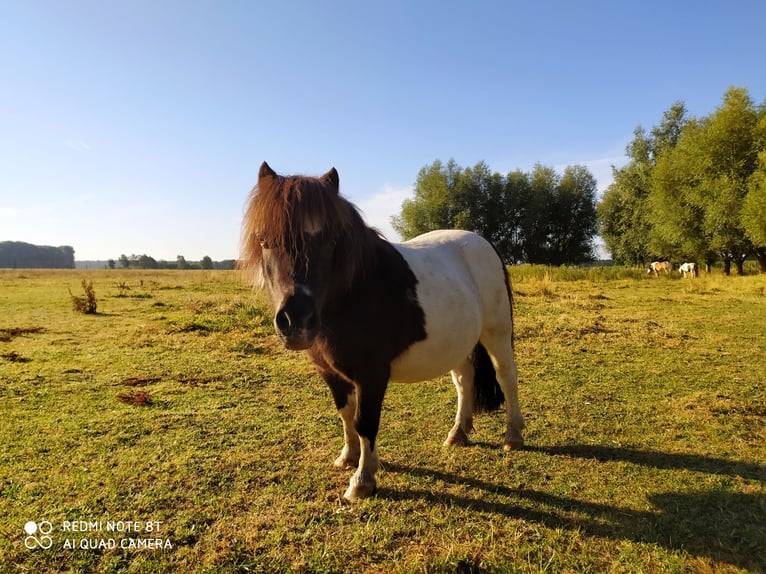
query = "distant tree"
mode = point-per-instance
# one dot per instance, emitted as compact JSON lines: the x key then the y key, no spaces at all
{"x":516,"y":201}
{"x":538,"y":217}
{"x":573,"y":217}
{"x":665,"y":136}
{"x":181,"y":262}
{"x":110,"y":264}
{"x":624,"y":223}
{"x":754,"y":211}
{"x":677,"y":220}
{"x":729,"y":158}
{"x":124,"y":261}
{"x":535,"y":218}
{"x":65,"y":257}
{"x":206,"y":263}
{"x":431,"y":207}
{"x":700,"y":188}
{"x":17,"y":254}
{"x":225,"y":264}
{"x":625,"y":217}
{"x":146,"y":262}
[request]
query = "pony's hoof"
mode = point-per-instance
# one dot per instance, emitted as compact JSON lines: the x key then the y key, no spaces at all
{"x":361,"y":486}
{"x":456,"y":437}
{"x":513,"y":444}
{"x":346,"y":460}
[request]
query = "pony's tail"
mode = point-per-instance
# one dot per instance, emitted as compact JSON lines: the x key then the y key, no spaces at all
{"x":487,"y":394}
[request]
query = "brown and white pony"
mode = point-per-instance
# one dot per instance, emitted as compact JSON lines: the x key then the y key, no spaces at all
{"x":657,"y":266}
{"x":368,"y":311}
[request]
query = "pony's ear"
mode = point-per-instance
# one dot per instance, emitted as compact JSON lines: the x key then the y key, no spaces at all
{"x":330,"y":179}
{"x":266,"y":171}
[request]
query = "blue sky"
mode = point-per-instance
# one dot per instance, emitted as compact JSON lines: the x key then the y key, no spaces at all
{"x":138,"y":126}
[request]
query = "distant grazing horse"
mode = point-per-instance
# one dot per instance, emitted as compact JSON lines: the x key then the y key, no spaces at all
{"x":367,"y":310}
{"x":688,"y":269}
{"x":657,"y":266}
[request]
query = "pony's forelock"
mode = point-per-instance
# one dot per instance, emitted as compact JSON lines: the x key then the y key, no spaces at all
{"x":282,"y":211}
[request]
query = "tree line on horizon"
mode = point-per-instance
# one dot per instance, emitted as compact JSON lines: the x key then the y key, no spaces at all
{"x":535,"y":217}
{"x":21,"y":255}
{"x":146,"y":262}
{"x":694,"y":189}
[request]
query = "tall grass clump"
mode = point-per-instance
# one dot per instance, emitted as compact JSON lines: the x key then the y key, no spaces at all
{"x":523,"y":273}
{"x":87,"y":304}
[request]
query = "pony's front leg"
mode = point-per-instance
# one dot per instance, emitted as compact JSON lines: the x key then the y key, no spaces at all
{"x":345,"y":401}
{"x":362,"y":483}
{"x":351,"y":453}
{"x":369,"y":403}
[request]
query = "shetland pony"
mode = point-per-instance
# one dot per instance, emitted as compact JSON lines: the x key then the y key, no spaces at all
{"x":368,"y":311}
{"x":656,"y":266}
{"x":689,"y":269}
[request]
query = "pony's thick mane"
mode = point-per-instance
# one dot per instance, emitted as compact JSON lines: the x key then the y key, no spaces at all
{"x":282,"y":211}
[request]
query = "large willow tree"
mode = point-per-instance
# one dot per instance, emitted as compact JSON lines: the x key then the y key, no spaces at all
{"x":535,"y":217}
{"x":694,"y":188}
{"x":701,"y":186}
{"x":625,"y":218}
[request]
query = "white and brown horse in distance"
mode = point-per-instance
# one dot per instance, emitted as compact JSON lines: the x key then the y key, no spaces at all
{"x":689,"y":269}
{"x":368,"y":311}
{"x":656,"y":267}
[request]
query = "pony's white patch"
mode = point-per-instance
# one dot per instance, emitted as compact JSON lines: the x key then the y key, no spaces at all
{"x":351,"y":452}
{"x":463,"y":296}
{"x":368,"y":461}
{"x":463,"y":291}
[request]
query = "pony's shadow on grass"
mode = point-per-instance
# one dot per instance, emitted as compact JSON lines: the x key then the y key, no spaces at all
{"x":659,"y":460}
{"x":721,"y":525}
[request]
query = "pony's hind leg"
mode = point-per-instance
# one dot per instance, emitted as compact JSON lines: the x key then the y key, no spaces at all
{"x":500,"y":350}
{"x":463,"y":378}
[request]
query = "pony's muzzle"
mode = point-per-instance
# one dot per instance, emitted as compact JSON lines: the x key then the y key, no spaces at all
{"x":296,"y":322}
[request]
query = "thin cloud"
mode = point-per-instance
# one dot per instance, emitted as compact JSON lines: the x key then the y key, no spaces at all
{"x":77,"y":145}
{"x":602,"y":169}
{"x":10,"y":212}
{"x":380,"y":207}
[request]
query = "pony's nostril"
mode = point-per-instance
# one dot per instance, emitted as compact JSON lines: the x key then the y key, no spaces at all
{"x":297,"y":318}
{"x":283,"y":322}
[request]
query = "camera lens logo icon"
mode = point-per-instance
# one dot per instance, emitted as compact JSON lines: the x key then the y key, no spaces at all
{"x":43,"y":540}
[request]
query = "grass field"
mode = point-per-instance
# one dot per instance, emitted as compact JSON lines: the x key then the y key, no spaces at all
{"x":169,"y":432}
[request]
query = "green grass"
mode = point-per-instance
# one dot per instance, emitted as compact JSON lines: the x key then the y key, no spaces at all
{"x":644,"y":402}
